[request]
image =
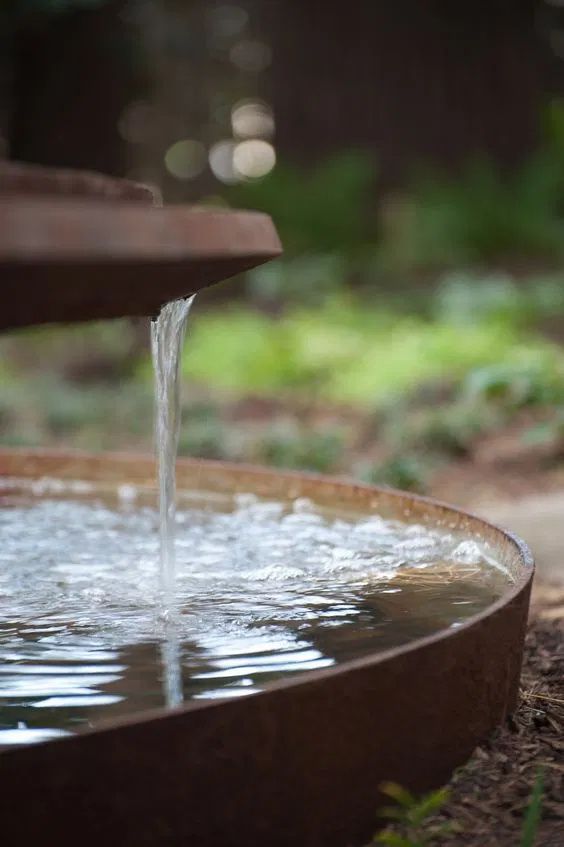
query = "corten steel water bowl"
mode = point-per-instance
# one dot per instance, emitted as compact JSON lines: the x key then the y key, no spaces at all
{"x":299,"y":763}
{"x":80,"y":246}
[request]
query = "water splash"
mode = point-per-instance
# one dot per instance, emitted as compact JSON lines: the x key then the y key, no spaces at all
{"x":167,"y":339}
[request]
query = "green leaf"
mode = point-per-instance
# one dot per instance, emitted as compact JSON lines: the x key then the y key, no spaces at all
{"x":534,"y":812}
{"x":392,"y":839}
{"x":429,"y":805}
{"x":401,"y":795}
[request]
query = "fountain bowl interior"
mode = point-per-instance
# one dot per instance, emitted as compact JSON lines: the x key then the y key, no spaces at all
{"x":300,"y":762}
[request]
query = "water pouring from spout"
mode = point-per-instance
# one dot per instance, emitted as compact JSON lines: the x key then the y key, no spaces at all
{"x":167,"y":338}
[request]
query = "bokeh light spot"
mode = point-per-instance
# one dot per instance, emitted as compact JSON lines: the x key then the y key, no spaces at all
{"x":186,"y":159}
{"x":252,"y":119}
{"x":221,"y":157}
{"x":254,"y":158}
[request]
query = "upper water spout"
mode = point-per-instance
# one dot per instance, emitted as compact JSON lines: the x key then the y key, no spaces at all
{"x":77,"y":246}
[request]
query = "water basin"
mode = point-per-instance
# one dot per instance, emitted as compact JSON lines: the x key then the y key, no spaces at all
{"x":265,"y":589}
{"x":328,"y":636}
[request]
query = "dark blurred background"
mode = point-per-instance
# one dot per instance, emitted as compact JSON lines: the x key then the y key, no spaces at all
{"x":116,"y":85}
{"x":412,"y":156}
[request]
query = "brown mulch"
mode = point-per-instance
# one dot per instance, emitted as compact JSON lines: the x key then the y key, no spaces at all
{"x":489,"y":795}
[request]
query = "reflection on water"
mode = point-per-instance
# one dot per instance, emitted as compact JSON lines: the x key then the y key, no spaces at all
{"x":264,"y":590}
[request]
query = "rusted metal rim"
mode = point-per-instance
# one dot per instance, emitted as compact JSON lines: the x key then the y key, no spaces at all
{"x":78,"y":246}
{"x":21,"y":178}
{"x":68,"y":261}
{"x":60,"y":231}
{"x":300,"y":762}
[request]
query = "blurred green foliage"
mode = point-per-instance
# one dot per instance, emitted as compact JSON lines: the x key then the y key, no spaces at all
{"x":290,"y":446}
{"x":447,"y":430}
{"x":202,"y":434}
{"x":424,"y":386}
{"x":466,"y":297}
{"x":533,"y":815}
{"x":547,"y":432}
{"x":348,"y":351}
{"x":327,"y":219}
{"x":413,"y":818}
{"x":484,"y":216}
{"x":533,"y":383}
{"x":338,"y":227}
{"x":309,"y":279}
{"x":421,"y":822}
{"x":327,"y":208}
{"x":406,"y":472}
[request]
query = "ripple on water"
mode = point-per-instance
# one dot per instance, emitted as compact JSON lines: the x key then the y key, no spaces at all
{"x":264,"y":590}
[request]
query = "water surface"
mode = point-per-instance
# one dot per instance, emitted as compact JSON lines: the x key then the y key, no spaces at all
{"x":264,"y":590}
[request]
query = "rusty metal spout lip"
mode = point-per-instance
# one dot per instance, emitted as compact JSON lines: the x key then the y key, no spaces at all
{"x":76,"y":246}
{"x":301,"y":761}
{"x":24,"y":179}
{"x":35,"y":230}
{"x":63,"y":261}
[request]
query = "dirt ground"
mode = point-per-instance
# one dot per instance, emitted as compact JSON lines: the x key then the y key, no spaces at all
{"x":490,"y":794}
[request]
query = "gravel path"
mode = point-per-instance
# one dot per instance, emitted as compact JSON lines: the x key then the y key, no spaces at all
{"x":539,"y":520}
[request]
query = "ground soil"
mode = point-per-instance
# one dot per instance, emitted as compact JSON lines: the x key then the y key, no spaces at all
{"x":490,"y":794}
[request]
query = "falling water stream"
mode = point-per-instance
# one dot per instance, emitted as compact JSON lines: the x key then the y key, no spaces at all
{"x":167,"y":339}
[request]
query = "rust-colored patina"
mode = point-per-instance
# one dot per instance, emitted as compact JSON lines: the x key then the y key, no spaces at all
{"x":300,"y":763}
{"x":18,"y":179}
{"x":77,"y":246}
